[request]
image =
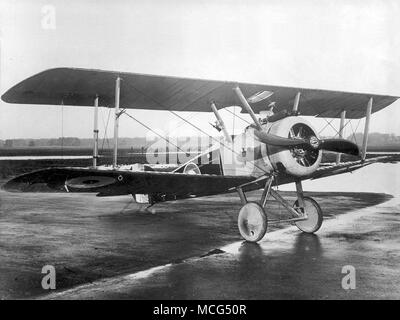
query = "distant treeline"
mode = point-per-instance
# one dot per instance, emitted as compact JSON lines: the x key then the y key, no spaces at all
{"x":374,"y":140}
{"x":136,"y":143}
{"x":70,"y":142}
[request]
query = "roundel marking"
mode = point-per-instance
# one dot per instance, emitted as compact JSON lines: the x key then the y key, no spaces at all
{"x":89,"y":182}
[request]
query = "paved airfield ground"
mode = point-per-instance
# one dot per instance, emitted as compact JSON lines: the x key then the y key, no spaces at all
{"x":105,"y":248}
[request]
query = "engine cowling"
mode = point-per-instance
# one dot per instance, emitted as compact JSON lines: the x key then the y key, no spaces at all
{"x":295,"y":161}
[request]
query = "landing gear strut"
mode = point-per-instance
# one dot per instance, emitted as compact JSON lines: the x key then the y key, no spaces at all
{"x":253,"y":220}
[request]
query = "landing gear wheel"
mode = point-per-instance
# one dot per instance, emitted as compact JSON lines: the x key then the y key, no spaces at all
{"x":314,"y":216}
{"x":252,"y":222}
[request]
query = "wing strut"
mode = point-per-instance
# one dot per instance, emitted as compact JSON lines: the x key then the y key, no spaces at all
{"x":366,"y":129}
{"x":341,"y":132}
{"x":221,"y":122}
{"x":247,"y":107}
{"x":296,"y":102}
{"x":116,"y":120}
{"x":96,"y":132}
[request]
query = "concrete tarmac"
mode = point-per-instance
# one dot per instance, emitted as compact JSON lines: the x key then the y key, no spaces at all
{"x":182,"y":250}
{"x":287,"y":264}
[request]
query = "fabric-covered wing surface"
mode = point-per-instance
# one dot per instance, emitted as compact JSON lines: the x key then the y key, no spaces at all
{"x":345,"y":167}
{"x":78,"y":87}
{"x":124,"y":182}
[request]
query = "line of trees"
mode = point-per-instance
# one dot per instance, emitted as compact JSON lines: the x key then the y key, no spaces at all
{"x":374,"y":139}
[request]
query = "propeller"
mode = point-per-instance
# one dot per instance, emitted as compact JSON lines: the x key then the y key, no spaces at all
{"x":340,"y":145}
{"x":334,"y":145}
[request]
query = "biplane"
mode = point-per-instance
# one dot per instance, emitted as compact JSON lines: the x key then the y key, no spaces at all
{"x":277,"y":147}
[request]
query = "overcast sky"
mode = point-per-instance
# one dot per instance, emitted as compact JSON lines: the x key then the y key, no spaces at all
{"x":337,"y":45}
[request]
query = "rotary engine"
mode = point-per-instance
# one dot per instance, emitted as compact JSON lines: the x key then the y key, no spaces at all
{"x":298,"y":160}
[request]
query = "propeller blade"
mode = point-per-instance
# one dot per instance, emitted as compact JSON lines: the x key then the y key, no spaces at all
{"x":340,"y":145}
{"x":334,"y":145}
{"x":274,"y":140}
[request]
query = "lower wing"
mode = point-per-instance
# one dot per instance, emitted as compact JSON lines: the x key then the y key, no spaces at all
{"x":334,"y":169}
{"x":171,"y":184}
{"x":120,"y":182}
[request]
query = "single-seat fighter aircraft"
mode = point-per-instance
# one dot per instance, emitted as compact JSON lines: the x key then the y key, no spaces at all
{"x":276,"y":149}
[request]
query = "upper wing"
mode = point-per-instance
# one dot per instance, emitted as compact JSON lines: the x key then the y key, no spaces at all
{"x":334,"y":169}
{"x":118,"y":182}
{"x":78,"y":87}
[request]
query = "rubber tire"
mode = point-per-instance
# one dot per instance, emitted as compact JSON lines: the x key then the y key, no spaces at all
{"x":315,"y":215}
{"x":256,"y":232}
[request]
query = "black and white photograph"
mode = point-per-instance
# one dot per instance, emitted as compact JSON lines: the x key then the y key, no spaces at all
{"x":212,"y":151}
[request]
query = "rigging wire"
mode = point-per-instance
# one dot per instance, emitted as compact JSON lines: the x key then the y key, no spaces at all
{"x":346,"y":124}
{"x":168,"y":133}
{"x":105,"y":130}
{"x":147,"y":127}
{"x":354,"y":131}
{"x":237,"y":116}
{"x":165,"y":108}
{"x":185,"y":120}
{"x":163,"y":138}
{"x":329,"y":124}
{"x":213,"y":138}
{"x":174,"y":113}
